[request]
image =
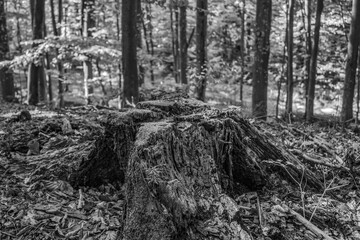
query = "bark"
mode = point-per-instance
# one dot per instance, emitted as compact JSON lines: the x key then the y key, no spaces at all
{"x":177,"y":43}
{"x":59,"y":66}
{"x":201,"y":29}
{"x":358,"y":92}
{"x":181,"y":162}
{"x":88,"y":22}
{"x":290,"y":47}
{"x":282,"y":71}
{"x":261,"y":58}
{"x":19,"y":47}
{"x":47,"y":64}
{"x":242,"y":56}
{"x":36,"y":79}
{"x":131,"y":86}
{"x":183,"y":41}
{"x":6,"y":77}
{"x":173,"y":41}
{"x":49,"y":79}
{"x":33,"y":84}
{"x":18,"y":29}
{"x":313,"y":62}
{"x":351,"y":64}
{"x":308,"y":45}
{"x":148,"y":35}
{"x":101,"y":81}
{"x":118,"y":33}
{"x":139,"y":40}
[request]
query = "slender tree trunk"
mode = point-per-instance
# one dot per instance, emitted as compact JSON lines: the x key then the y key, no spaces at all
{"x":39,"y":11}
{"x":261,"y":59}
{"x":6,"y":77}
{"x":201,"y":29}
{"x":358,"y":90}
{"x":351,"y":63}
{"x":242,"y":39}
{"x":18,"y":29}
{"x":147,"y":28}
{"x":177,"y":44}
{"x":19,"y":48}
{"x":183,"y":42}
{"x":102,"y":85}
{"x":48,"y":74}
{"x":131,"y":85}
{"x":290,"y":47}
{"x":308,"y":47}
{"x":36,"y":79}
{"x":86,"y":65}
{"x":49,"y":80}
{"x":313,"y":62}
{"x":151,"y":42}
{"x":283,"y":70}
{"x":88,"y":22}
{"x":59,"y":65}
{"x":57,"y":32}
{"x":65,"y":32}
{"x":173,"y":41}
{"x":139,"y":41}
{"x":118,"y":34}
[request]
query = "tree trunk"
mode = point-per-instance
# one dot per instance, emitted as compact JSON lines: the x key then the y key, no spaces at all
{"x":177,"y":36}
{"x":150,"y":44}
{"x":351,"y":63}
{"x":88,"y":22}
{"x":261,"y":59}
{"x":173,"y":41}
{"x":49,"y":79}
{"x":242,"y":56}
{"x":179,"y":172}
{"x":6,"y":77}
{"x":57,"y":32}
{"x":313,"y":62}
{"x":308,"y":47}
{"x":358,"y":92}
{"x":47,"y":64}
{"x":183,"y":41}
{"x":36,"y":79}
{"x":139,"y":40}
{"x":131,"y":86}
{"x":201,"y":29}
{"x":282,"y":70}
{"x":290,"y":47}
{"x":19,"y":48}
{"x":118,"y":34}
{"x":148,"y":28}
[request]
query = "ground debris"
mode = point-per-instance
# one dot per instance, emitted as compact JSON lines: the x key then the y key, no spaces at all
{"x":167,"y":157}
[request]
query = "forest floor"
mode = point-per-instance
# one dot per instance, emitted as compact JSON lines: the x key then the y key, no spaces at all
{"x":37,"y":202}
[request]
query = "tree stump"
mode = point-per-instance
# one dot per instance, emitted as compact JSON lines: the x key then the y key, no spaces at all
{"x":182,"y":163}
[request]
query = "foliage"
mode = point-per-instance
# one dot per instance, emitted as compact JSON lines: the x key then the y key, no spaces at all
{"x":223,"y":46}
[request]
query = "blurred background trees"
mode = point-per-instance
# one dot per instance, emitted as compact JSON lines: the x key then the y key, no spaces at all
{"x":270,"y":57}
{"x":6,"y":77}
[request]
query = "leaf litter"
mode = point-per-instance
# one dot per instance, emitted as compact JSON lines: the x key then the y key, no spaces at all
{"x":36,"y":160}
{"x":37,"y":156}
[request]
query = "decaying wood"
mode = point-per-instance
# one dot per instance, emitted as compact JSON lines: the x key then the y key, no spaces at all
{"x":321,"y":234}
{"x":182,"y":163}
{"x":319,"y":161}
{"x":59,"y":163}
{"x":321,"y":143}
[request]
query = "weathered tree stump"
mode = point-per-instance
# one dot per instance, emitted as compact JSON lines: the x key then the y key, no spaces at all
{"x":181,"y":163}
